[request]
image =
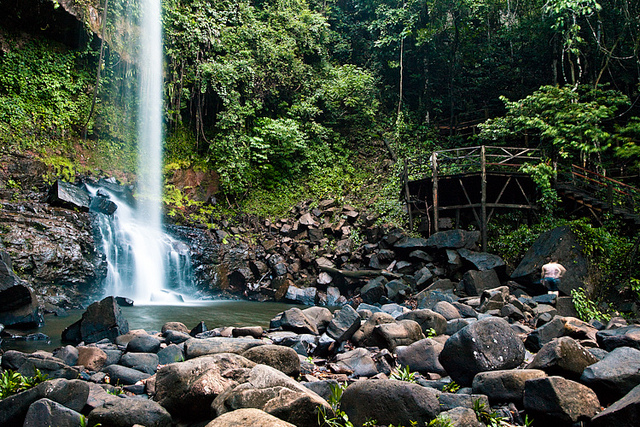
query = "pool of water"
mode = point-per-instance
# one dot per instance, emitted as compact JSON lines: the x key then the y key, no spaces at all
{"x":151,"y":318}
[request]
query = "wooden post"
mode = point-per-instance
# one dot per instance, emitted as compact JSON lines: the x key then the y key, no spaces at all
{"x":483,"y":201}
{"x":434,"y":175}
{"x":407,"y":194}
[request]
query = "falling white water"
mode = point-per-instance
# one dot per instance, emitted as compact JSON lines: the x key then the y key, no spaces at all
{"x":139,"y":257}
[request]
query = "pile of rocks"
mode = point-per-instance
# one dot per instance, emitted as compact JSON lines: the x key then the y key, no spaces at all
{"x":561,"y":371}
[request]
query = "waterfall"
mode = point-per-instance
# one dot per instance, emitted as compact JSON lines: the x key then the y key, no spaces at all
{"x":144,"y":263}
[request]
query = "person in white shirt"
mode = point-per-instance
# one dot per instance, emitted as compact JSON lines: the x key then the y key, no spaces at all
{"x":552,"y":271}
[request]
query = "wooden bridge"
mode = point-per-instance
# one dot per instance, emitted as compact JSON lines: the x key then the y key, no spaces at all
{"x":451,"y":188}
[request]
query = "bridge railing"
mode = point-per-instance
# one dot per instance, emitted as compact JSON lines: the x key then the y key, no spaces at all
{"x":468,"y":160}
{"x":617,"y":194}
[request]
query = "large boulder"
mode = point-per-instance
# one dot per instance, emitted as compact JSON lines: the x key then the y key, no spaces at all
{"x":296,"y":321}
{"x":130,"y":411}
{"x":628,"y":336}
{"x":120,"y":374}
{"x":72,"y":394}
{"x":615,"y":375}
{"x":427,"y":319}
{"x":46,"y":412}
{"x":454,"y":239}
{"x":268,"y":389}
{"x":102,"y":319}
{"x":475,"y":282}
{"x":389,"y":402}
{"x":248,"y":417}
{"x":284,"y":359}
{"x":196,"y":347}
{"x":344,"y":324}
{"x":564,"y":357}
{"x":65,"y":195}
{"x":187,"y":389}
{"x":358,"y":361}
{"x":421,"y":356}
{"x":486,"y":345}
{"x":403,"y":332}
{"x":26,"y":364}
{"x":483,"y":261}
{"x":556,"y":399}
{"x":506,"y":385}
{"x":364,"y":337}
{"x":18,"y":304}
{"x":623,"y":413}
{"x":562,"y":244}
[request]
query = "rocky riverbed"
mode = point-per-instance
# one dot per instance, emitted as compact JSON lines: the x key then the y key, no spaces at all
{"x":468,"y":361}
{"x":423,"y":329}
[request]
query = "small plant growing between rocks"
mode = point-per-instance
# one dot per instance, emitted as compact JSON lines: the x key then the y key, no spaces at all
{"x":486,"y":416}
{"x":441,"y":421}
{"x":451,"y":387}
{"x":586,"y":308}
{"x":13,"y":382}
{"x":404,"y":374}
{"x":341,"y":419}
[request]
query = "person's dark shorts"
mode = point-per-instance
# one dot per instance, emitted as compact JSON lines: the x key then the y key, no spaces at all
{"x":551,"y":283}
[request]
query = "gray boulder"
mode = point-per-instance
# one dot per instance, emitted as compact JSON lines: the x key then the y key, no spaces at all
{"x":364,"y":337}
{"x":187,"y":389}
{"x":623,"y":413}
{"x":68,"y":196}
{"x":124,"y":375}
{"x":389,"y":402}
{"x":284,"y":359}
{"x":170,"y":354}
{"x":45,"y":412}
{"x":483,"y":261}
{"x":427,"y":319}
{"x":461,"y":417}
{"x":102,"y":319}
{"x":320,"y":316}
{"x":628,"y":336}
{"x":295,"y":320}
{"x":554,"y":399}
{"x":268,"y":389}
{"x":374,"y":290}
{"x":422,"y":357}
{"x":196,"y":347}
{"x":506,"y":385}
{"x":72,"y":394}
{"x":475,"y":282}
{"x":358,"y":361}
{"x":454,"y":239}
{"x":344,"y":324}
{"x":563,"y":357}
{"x":144,"y":344}
{"x":248,"y":417}
{"x":402,"y":332}
{"x":615,"y":375}
{"x":447,"y":310}
{"x":486,"y":345}
{"x":143,"y":362}
{"x":129,"y":412}
{"x":26,"y":364}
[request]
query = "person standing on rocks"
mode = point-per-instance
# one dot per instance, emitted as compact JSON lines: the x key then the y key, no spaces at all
{"x":552,"y":271}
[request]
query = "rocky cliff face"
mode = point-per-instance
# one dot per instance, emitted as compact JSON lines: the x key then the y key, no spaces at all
{"x":52,"y":249}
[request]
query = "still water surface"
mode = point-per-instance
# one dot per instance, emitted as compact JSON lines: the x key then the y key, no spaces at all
{"x":151,"y":318}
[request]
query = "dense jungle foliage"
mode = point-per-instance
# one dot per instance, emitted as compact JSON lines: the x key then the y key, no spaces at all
{"x":291,"y":99}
